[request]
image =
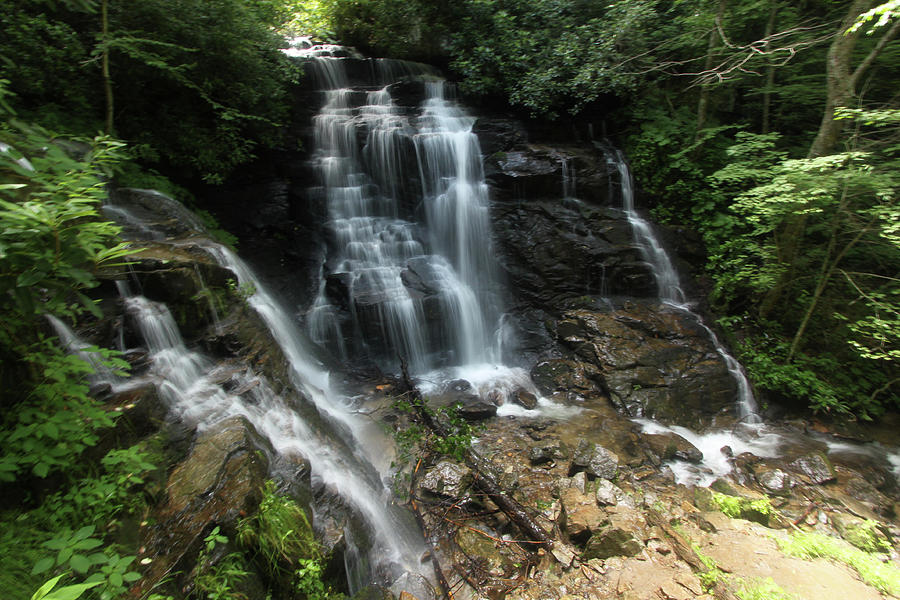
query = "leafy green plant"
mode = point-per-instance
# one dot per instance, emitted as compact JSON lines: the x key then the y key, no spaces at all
{"x":735,"y":506}
{"x":67,"y":592}
{"x":106,"y":496}
{"x":219,"y":580}
{"x":72,"y":551}
{"x":59,"y":420}
{"x":52,"y":237}
{"x":244,"y":291}
{"x":114,"y":575}
{"x":279,"y":533}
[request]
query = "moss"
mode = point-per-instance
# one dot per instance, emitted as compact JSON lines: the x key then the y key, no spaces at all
{"x":883,"y":576}
{"x":757,"y":510}
{"x":763,"y":589}
{"x":867,"y":537}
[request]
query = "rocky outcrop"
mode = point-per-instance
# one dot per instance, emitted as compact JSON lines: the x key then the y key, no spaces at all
{"x":656,"y":361}
{"x":554,"y":250}
{"x":220,"y":481}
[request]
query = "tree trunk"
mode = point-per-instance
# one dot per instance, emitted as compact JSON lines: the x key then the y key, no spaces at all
{"x":770,"y":73}
{"x":842,"y":80}
{"x":838,"y":79}
{"x":107,"y":80}
{"x":712,"y":44}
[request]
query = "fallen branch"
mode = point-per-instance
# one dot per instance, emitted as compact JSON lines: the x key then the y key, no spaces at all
{"x":483,"y":480}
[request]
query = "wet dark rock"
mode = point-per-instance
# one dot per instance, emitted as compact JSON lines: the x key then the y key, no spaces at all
{"x":220,"y":481}
{"x":657,"y":361}
{"x":594,"y":460}
{"x":545,"y":453}
{"x":477,"y":410}
{"x":447,"y":479}
{"x":525,"y":399}
{"x":670,"y":446}
{"x":816,"y":468}
{"x":561,"y":375}
{"x":551,"y":251}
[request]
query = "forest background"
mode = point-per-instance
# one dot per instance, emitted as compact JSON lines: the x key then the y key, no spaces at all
{"x":768,"y":127}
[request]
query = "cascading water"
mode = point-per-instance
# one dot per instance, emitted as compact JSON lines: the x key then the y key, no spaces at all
{"x":421,"y":292}
{"x":348,"y":454}
{"x":669,"y":285}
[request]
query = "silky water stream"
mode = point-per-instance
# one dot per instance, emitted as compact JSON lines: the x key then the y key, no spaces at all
{"x":749,"y":433}
{"x":348,"y":454}
{"x":410,"y":271}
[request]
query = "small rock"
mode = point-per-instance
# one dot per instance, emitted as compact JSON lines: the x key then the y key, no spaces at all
{"x":670,"y":446}
{"x":815,"y":467}
{"x":776,"y":482}
{"x":447,"y":479}
{"x":581,"y":516}
{"x":595,"y":460}
{"x":545,"y":453}
{"x":612,"y":541}
{"x":690,"y":582}
{"x":525,"y":399}
{"x":609,"y":494}
{"x":477,"y":410}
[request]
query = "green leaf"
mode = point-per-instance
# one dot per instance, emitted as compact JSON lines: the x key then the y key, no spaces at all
{"x":42,"y":565}
{"x":41,"y":469}
{"x":88,"y":544}
{"x":71,"y":592}
{"x":80,"y":563}
{"x":44,"y":589}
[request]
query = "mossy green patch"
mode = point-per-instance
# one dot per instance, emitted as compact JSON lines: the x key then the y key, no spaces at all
{"x":883,"y":576}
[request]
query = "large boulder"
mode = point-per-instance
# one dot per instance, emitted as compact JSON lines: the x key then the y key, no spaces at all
{"x":551,"y":250}
{"x":220,"y":481}
{"x":657,"y":361}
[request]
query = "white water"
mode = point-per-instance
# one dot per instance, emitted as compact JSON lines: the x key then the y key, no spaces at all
{"x":408,"y":214}
{"x":669,"y":286}
{"x":74,"y":345}
{"x":755,"y":439}
{"x":350,"y":456}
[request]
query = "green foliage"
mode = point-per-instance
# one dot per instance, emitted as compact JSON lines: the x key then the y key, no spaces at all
{"x":738,"y":507}
{"x":218,"y":580}
{"x":58,"y":420}
{"x":198,"y":88}
{"x":52,"y":239}
{"x":68,"y":592}
{"x":108,"y":570}
{"x":883,"y":576}
{"x":867,"y":537}
{"x":108,"y":495}
{"x":279,"y":533}
{"x":244,"y":291}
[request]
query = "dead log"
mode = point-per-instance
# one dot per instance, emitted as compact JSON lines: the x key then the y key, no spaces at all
{"x":483,"y":479}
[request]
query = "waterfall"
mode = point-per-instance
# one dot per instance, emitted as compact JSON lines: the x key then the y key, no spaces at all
{"x":669,"y":286}
{"x":347,"y":452}
{"x":396,"y":286}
